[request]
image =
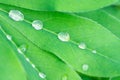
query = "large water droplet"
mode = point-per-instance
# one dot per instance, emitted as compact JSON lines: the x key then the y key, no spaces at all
{"x":85,"y":67}
{"x":42,"y":75}
{"x":16,"y":15}
{"x":82,"y":45}
{"x":64,"y":77}
{"x":64,"y":36}
{"x":9,"y":37}
{"x":37,"y":24}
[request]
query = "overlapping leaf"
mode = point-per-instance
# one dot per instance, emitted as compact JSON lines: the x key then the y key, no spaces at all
{"x":60,"y":5}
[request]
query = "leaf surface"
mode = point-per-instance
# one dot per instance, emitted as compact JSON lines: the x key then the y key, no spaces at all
{"x":60,"y":5}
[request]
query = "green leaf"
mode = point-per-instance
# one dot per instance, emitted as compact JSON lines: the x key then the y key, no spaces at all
{"x":10,"y":67}
{"x":108,"y":17}
{"x":45,"y":61}
{"x":100,"y":64}
{"x":59,"y":5}
{"x":86,"y":77}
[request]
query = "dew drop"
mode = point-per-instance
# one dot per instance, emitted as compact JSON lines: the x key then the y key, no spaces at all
{"x":82,"y":45}
{"x":23,"y":48}
{"x":64,"y":77}
{"x":19,"y":50}
{"x":64,"y":36}
{"x":94,"y":51}
{"x":85,"y":67}
{"x":27,"y":59}
{"x":9,"y":37}
{"x":37,"y":24}
{"x":33,"y":65}
{"x":16,"y":15}
{"x":42,"y":75}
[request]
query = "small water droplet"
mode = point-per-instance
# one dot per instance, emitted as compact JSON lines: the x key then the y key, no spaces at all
{"x":42,"y":75}
{"x":33,"y":65}
{"x":37,"y":24}
{"x":27,"y":59}
{"x":82,"y":45}
{"x":23,"y":48}
{"x":16,"y":15}
{"x":19,"y":50}
{"x":9,"y":37}
{"x":64,"y":36}
{"x":85,"y":67}
{"x":94,"y":51}
{"x":64,"y":77}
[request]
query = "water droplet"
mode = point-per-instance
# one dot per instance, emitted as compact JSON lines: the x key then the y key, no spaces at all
{"x":42,"y":75}
{"x":64,"y":77}
{"x":27,"y":59}
{"x":82,"y":45}
{"x":16,"y":15}
{"x":64,"y":36}
{"x":9,"y":37}
{"x":85,"y":67}
{"x":37,"y":24}
{"x":23,"y":48}
{"x":33,"y":65}
{"x":94,"y":51}
{"x":19,"y":50}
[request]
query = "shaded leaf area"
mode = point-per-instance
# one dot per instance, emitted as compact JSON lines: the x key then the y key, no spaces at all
{"x":86,"y":77}
{"x":101,"y":64}
{"x":115,"y":78}
{"x":10,"y":66}
{"x":60,"y":5}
